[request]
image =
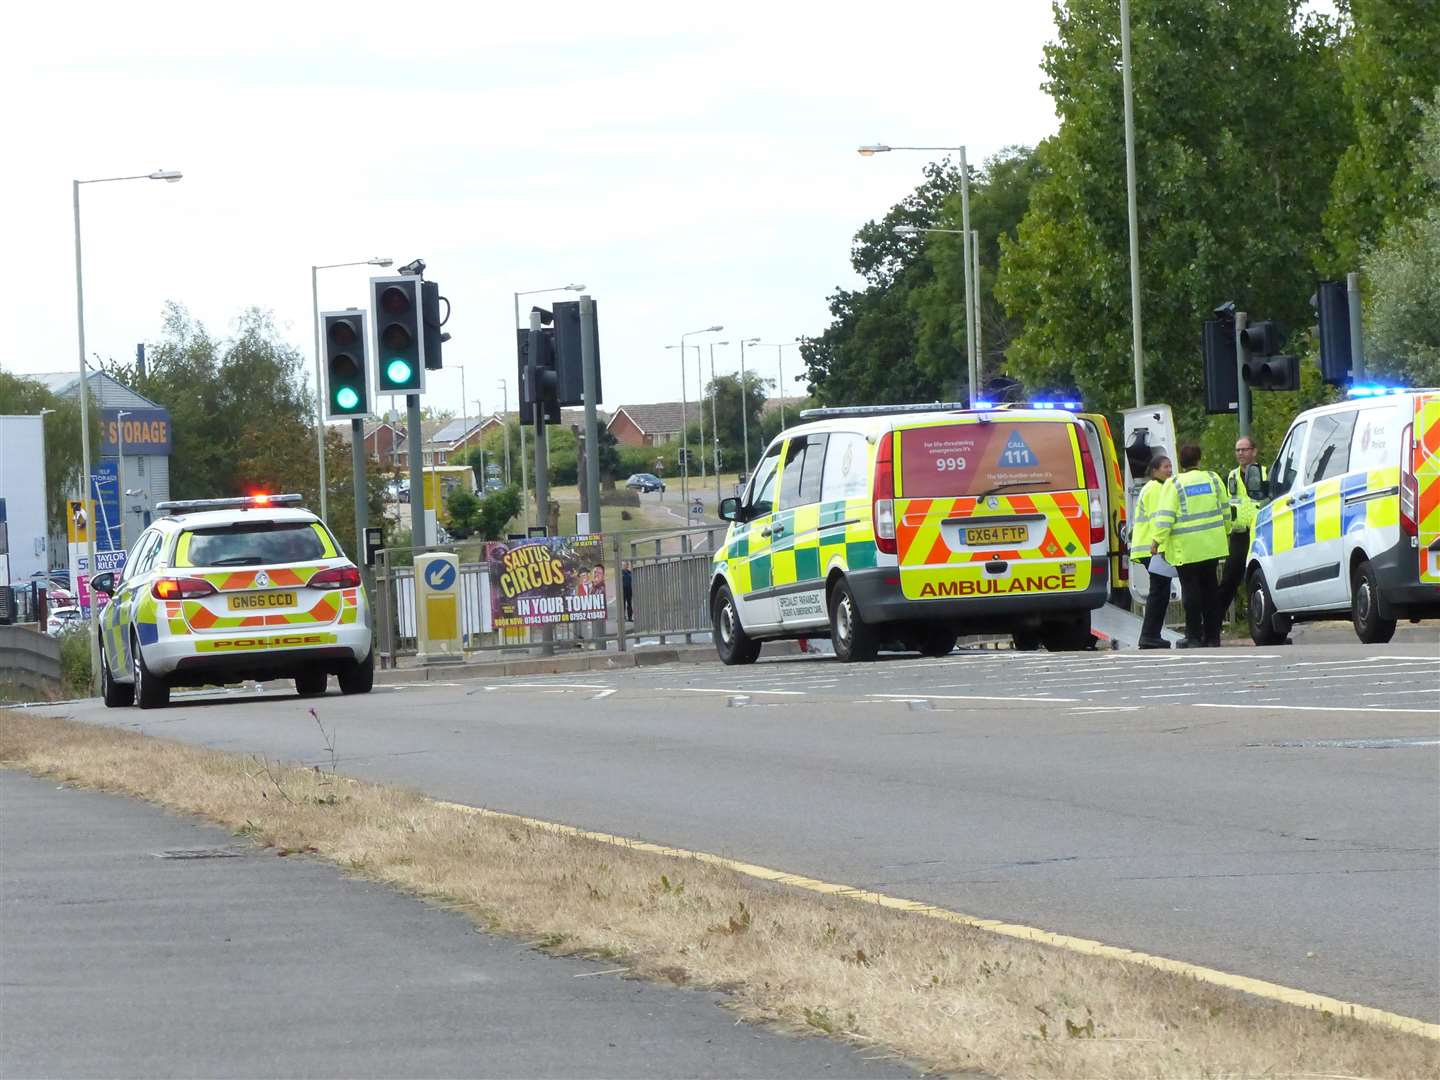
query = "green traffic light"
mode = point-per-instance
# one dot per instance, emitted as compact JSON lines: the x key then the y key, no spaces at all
{"x":398,"y":372}
{"x":346,"y":398}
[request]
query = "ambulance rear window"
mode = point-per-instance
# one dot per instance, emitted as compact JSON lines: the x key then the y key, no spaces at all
{"x":1009,"y":458}
{"x":257,"y":543}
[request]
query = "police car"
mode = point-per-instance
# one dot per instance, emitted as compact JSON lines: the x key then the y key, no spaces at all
{"x":909,"y":525}
{"x":1353,"y":526}
{"x":230,"y":589}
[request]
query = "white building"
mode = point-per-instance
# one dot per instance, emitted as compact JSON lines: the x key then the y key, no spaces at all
{"x":22,"y":495}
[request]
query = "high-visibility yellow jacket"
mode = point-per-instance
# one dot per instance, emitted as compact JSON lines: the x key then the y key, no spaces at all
{"x":1145,"y":507}
{"x":1242,"y":508}
{"x":1192,"y":522}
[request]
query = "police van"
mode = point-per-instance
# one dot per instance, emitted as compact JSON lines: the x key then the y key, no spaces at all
{"x":1353,"y":525}
{"x":225,"y":590}
{"x":909,"y":525}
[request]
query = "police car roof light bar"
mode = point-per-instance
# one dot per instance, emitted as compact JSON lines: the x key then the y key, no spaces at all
{"x":244,"y":502}
{"x":1365,"y":390}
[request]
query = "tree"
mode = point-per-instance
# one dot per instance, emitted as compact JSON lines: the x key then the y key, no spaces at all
{"x":496,"y":511}
{"x":463,"y":509}
{"x":63,"y":462}
{"x":1239,"y":117}
{"x":728,"y":419}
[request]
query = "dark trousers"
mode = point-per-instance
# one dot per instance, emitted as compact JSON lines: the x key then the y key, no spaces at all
{"x":1156,"y":601}
{"x":1201,"y":597}
{"x":629,"y":605}
{"x":1234,"y":572}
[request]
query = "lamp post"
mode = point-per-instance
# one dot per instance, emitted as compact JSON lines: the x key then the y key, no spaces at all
{"x":745,"y":403}
{"x":715,"y":424}
{"x":524,"y":470}
{"x":43,"y":413}
{"x":86,"y":483}
{"x":699,"y":381}
{"x":505,"y":424}
{"x":319,"y":380}
{"x":969,"y":285}
{"x":684,"y":434}
{"x":1130,"y":204}
{"x":780,"y":347}
{"x":120,"y":472}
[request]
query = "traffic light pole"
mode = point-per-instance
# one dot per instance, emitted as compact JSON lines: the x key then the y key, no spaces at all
{"x":542,"y":463}
{"x":1357,"y":345}
{"x":414,"y":437}
{"x":588,"y":360}
{"x":357,"y":466}
{"x":1242,"y":388}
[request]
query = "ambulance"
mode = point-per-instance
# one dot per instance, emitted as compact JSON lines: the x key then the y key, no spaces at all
{"x":906,"y":526}
{"x":1353,"y":525}
{"x":224,"y":590}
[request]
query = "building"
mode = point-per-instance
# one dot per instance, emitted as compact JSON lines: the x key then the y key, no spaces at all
{"x":455,"y":438}
{"x":24,"y":536}
{"x":384,"y":443}
{"x":651,"y":425}
{"x":133,"y":455}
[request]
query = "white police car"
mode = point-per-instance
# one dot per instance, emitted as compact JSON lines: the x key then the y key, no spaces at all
{"x":230,"y":589}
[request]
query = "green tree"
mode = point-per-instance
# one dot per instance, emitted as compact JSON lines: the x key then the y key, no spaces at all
{"x":63,"y":463}
{"x":1239,"y":118}
{"x":463,"y":509}
{"x":729,"y":421}
{"x":496,"y":511}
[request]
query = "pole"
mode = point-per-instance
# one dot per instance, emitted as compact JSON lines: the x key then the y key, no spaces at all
{"x":1242,"y":389}
{"x":418,"y":536}
{"x":1135,"y":328}
{"x":319,"y":393}
{"x":967,"y":282}
{"x":362,"y":508}
{"x":684,"y":440}
{"x":505,"y":424}
{"x":87,"y":482}
{"x":780,"y":369}
{"x":700,"y":404}
{"x":744,"y":410}
{"x":542,"y":464}
{"x":464,"y":415}
{"x":524,"y":477}
{"x":714,"y":428}
{"x":979,"y":320}
{"x":589,"y":362}
{"x":1357,"y":343}
{"x":120,"y":472}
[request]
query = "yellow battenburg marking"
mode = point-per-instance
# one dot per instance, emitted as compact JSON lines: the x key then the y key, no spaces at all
{"x":1085,"y":946}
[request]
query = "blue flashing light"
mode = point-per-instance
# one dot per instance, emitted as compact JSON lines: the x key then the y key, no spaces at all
{"x":984,"y":404}
{"x":1370,"y":390}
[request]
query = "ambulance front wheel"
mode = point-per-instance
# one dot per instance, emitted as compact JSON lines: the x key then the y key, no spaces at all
{"x":1365,"y":607}
{"x":357,"y":677}
{"x":852,"y":638}
{"x":731,"y":642}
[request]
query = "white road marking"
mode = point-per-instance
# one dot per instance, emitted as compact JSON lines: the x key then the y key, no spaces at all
{"x":602,"y":694}
{"x":968,"y":697}
{"x":1319,"y":708}
{"x":747,"y":690}
{"x":1105,"y":708}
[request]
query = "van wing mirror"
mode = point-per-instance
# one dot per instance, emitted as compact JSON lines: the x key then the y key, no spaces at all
{"x":730,"y":509}
{"x":1255,"y":485}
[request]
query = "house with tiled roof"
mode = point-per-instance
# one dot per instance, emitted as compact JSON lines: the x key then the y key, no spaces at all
{"x":651,"y":425}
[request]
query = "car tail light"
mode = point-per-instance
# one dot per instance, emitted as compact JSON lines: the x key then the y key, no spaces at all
{"x":1092,"y":483}
{"x":882,"y":497}
{"x":184,"y":588}
{"x":337,"y":577}
{"x":1409,"y":488}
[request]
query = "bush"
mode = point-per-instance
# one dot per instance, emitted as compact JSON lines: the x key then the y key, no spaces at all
{"x":619,"y":497}
{"x":75,"y":662}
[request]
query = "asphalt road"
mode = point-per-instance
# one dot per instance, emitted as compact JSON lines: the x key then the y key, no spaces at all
{"x":1272,"y":813}
{"x":135,"y":943}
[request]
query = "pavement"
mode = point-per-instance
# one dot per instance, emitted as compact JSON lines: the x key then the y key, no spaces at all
{"x":1268,"y":812}
{"x":137,"y":943}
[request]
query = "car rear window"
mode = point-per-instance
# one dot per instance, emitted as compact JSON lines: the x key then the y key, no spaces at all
{"x":1010,"y":458}
{"x":253,"y":544}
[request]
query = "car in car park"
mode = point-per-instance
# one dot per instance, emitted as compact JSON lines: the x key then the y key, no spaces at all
{"x":61,"y":620}
{"x":645,"y":482}
{"x":225,"y":590}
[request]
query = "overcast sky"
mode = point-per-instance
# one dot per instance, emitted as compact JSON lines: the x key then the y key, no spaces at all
{"x":691,"y":164}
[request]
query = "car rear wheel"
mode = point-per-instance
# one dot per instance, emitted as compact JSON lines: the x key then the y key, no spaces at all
{"x":311,"y":683}
{"x":1068,"y":635}
{"x":1365,"y":607}
{"x":937,"y":641}
{"x":116,"y":695}
{"x":852,"y":637}
{"x":358,"y":677}
{"x":733,"y":644}
{"x":1267,"y":626}
{"x":150,"y":692}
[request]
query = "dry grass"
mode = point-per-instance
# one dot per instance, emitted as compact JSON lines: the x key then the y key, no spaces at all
{"x":952,"y":997}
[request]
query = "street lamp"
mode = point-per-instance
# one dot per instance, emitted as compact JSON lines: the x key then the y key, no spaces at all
{"x":684,"y":434}
{"x":505,"y":421}
{"x":745,"y":403}
{"x":971,"y":299}
{"x":699,"y":381}
{"x":779,"y":347}
{"x":319,"y":392}
{"x":120,"y":471}
{"x":1135,"y":347}
{"x":170,"y":176}
{"x":715,"y":424}
{"x":524,"y":470}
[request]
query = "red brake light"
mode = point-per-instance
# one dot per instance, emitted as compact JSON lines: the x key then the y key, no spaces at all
{"x":882,"y":497}
{"x":1409,"y":488}
{"x":185,"y":588}
{"x":1092,"y":483}
{"x":337,"y":577}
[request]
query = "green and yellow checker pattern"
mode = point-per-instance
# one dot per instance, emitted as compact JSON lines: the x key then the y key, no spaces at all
{"x":810,"y":539}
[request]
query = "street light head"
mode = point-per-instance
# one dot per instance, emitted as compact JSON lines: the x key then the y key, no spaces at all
{"x":168,"y":175}
{"x":377,"y":261}
{"x":575,"y":288}
{"x":905,"y":230}
{"x":751,"y":341}
{"x":873,"y":149}
{"x":714,"y":329}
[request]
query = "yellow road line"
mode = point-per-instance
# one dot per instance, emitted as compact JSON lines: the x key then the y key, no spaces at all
{"x":1258,"y":987}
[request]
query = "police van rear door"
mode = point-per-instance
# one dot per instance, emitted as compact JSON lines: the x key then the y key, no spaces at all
{"x":992,"y":505}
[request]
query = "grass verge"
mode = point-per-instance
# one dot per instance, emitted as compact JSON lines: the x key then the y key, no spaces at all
{"x":952,"y":997}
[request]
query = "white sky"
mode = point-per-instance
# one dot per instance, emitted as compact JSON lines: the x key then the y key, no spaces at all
{"x":691,"y":164}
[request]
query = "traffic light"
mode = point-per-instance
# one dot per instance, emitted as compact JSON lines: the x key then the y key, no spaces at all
{"x":1332,"y":305}
{"x":546,"y":381}
{"x":347,"y":380}
{"x":1222,"y":386}
{"x":430,"y":311}
{"x":400,"y":343}
{"x":1264,"y":369}
{"x":569,"y":364}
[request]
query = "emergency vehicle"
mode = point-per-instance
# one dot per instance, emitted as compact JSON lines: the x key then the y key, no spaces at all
{"x":909,"y":525}
{"x":224,"y":590}
{"x":1353,"y":525}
